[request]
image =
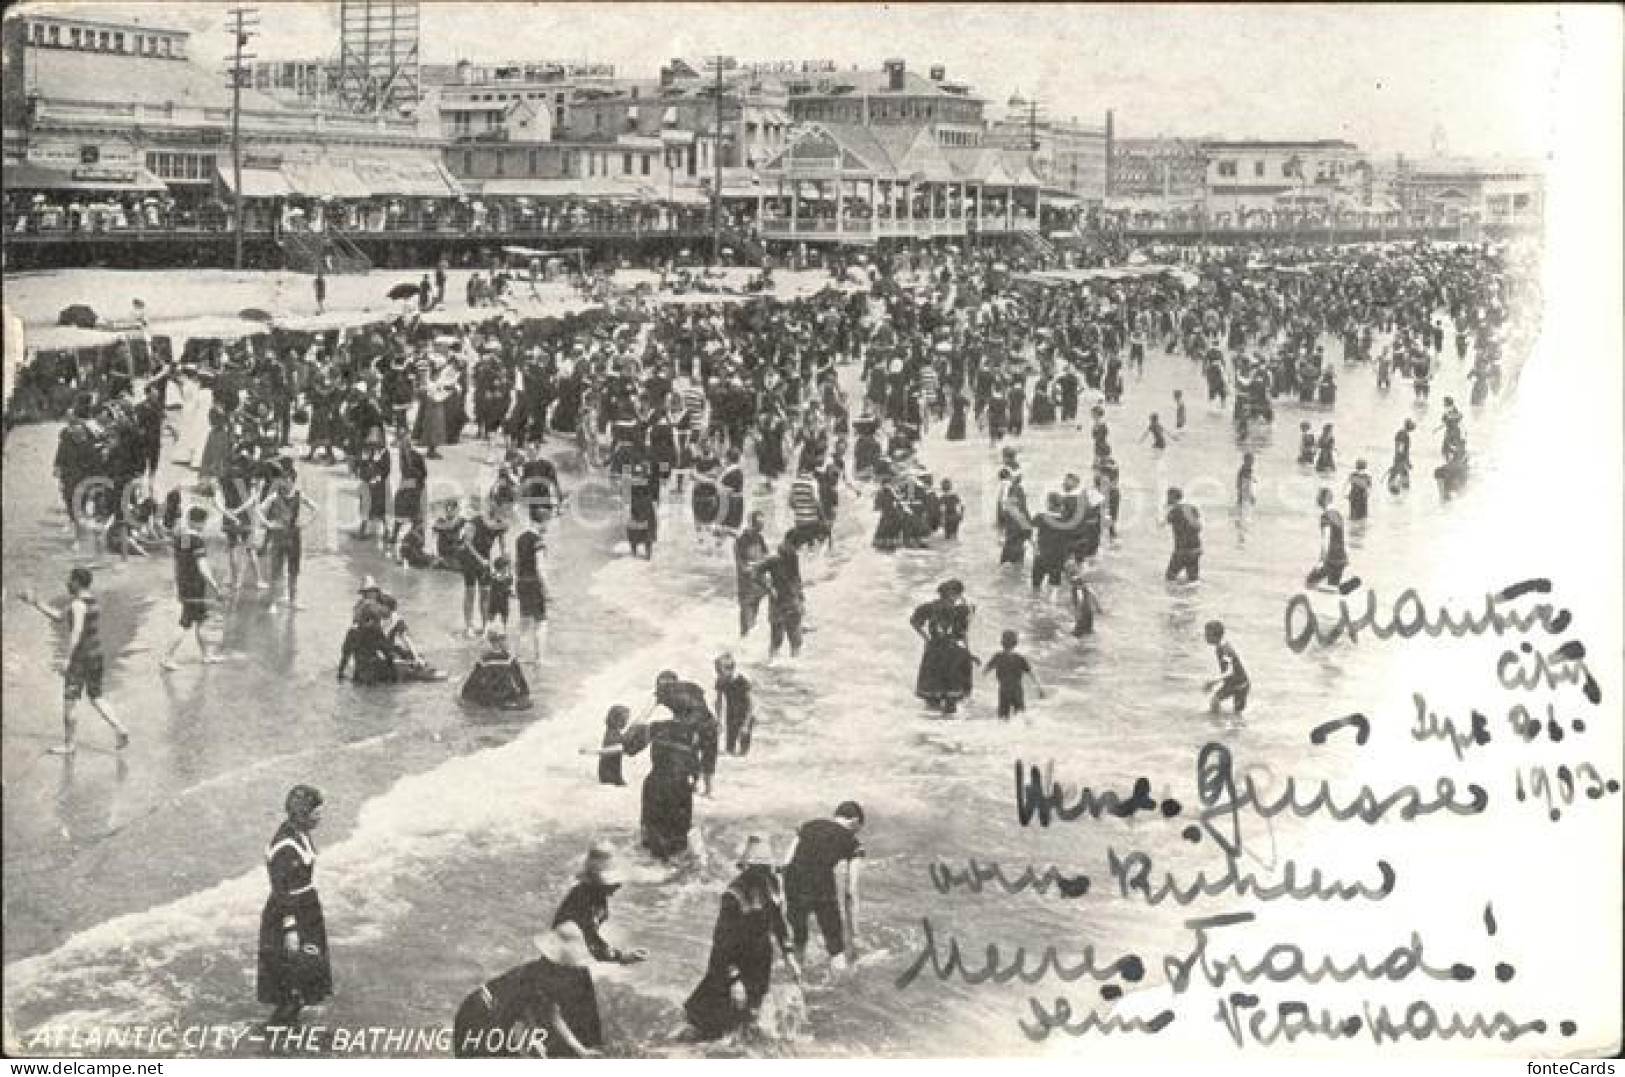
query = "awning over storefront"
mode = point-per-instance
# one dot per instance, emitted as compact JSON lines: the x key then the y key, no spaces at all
{"x":584,"y":188}
{"x":742,"y":183}
{"x":324,"y":179}
{"x":28,"y":176}
{"x":258,"y":182}
{"x":403,"y":177}
{"x":533,"y":188}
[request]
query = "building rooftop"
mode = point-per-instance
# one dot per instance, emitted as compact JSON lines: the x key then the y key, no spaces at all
{"x":905,"y":151}
{"x":1287,"y":144}
{"x":1475,"y":166}
{"x":73,"y":75}
{"x":873,"y":83}
{"x":107,"y":22}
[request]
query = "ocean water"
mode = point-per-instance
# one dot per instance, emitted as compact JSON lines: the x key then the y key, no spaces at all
{"x":451,"y":839}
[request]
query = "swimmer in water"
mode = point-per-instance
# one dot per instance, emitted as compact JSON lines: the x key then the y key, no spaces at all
{"x":1245,"y":481}
{"x":1359,"y":491}
{"x":609,"y":753}
{"x":1013,"y":670}
{"x":1084,"y":602}
{"x":1232,"y":683}
{"x":1155,"y":432}
{"x":1334,"y":558}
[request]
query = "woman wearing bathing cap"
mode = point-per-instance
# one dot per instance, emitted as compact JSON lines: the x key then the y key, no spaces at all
{"x":294,"y":970}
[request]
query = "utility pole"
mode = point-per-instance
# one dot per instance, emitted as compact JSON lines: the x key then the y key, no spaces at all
{"x":721,"y":63}
{"x":242,"y":23}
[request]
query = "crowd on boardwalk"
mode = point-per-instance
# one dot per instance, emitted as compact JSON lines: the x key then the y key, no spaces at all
{"x":806,"y":405}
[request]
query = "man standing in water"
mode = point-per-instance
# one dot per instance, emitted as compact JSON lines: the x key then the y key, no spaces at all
{"x":781,"y":574}
{"x":82,"y":672}
{"x":750,"y":550}
{"x":193,"y":582}
{"x":1334,"y":558}
{"x":280,"y":513}
{"x":528,"y":585}
{"x":809,"y":882}
{"x":1186,"y":522}
{"x":235,"y":496}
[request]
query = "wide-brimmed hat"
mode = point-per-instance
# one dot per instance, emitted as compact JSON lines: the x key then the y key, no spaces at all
{"x":757,"y":853}
{"x":368,"y":584}
{"x":600,"y":866}
{"x":564,"y":945}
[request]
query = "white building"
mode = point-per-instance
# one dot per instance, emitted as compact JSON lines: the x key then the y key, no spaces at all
{"x":1310,"y":177}
{"x":1493,"y":192}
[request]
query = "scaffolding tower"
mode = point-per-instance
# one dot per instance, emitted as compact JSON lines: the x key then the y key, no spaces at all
{"x":378,"y":56}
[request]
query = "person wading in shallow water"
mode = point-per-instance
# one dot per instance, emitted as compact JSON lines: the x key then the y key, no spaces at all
{"x":82,"y":670}
{"x":750,"y":550}
{"x":294,"y":969}
{"x":810,"y":885}
{"x":675,"y":766}
{"x":280,"y":512}
{"x":945,"y":667}
{"x":1186,"y":522}
{"x":750,"y":926}
{"x":193,"y":582}
{"x":1334,"y":557}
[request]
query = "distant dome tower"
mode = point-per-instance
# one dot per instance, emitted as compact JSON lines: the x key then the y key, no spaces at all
{"x":1439,"y":142}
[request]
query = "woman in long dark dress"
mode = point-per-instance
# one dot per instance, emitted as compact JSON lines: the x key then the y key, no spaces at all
{"x":893,"y":521}
{"x":770,"y":437}
{"x":322,"y":399}
{"x":1043,"y":405}
{"x":705,"y":497}
{"x":956,"y":418}
{"x":731,"y":493}
{"x":373,"y":468}
{"x":217,"y":449}
{"x":668,"y":791}
{"x":294,"y":967}
{"x":945,"y":675}
{"x":749,"y":924}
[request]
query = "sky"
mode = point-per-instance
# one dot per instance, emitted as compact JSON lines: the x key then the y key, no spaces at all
{"x":1387,"y":77}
